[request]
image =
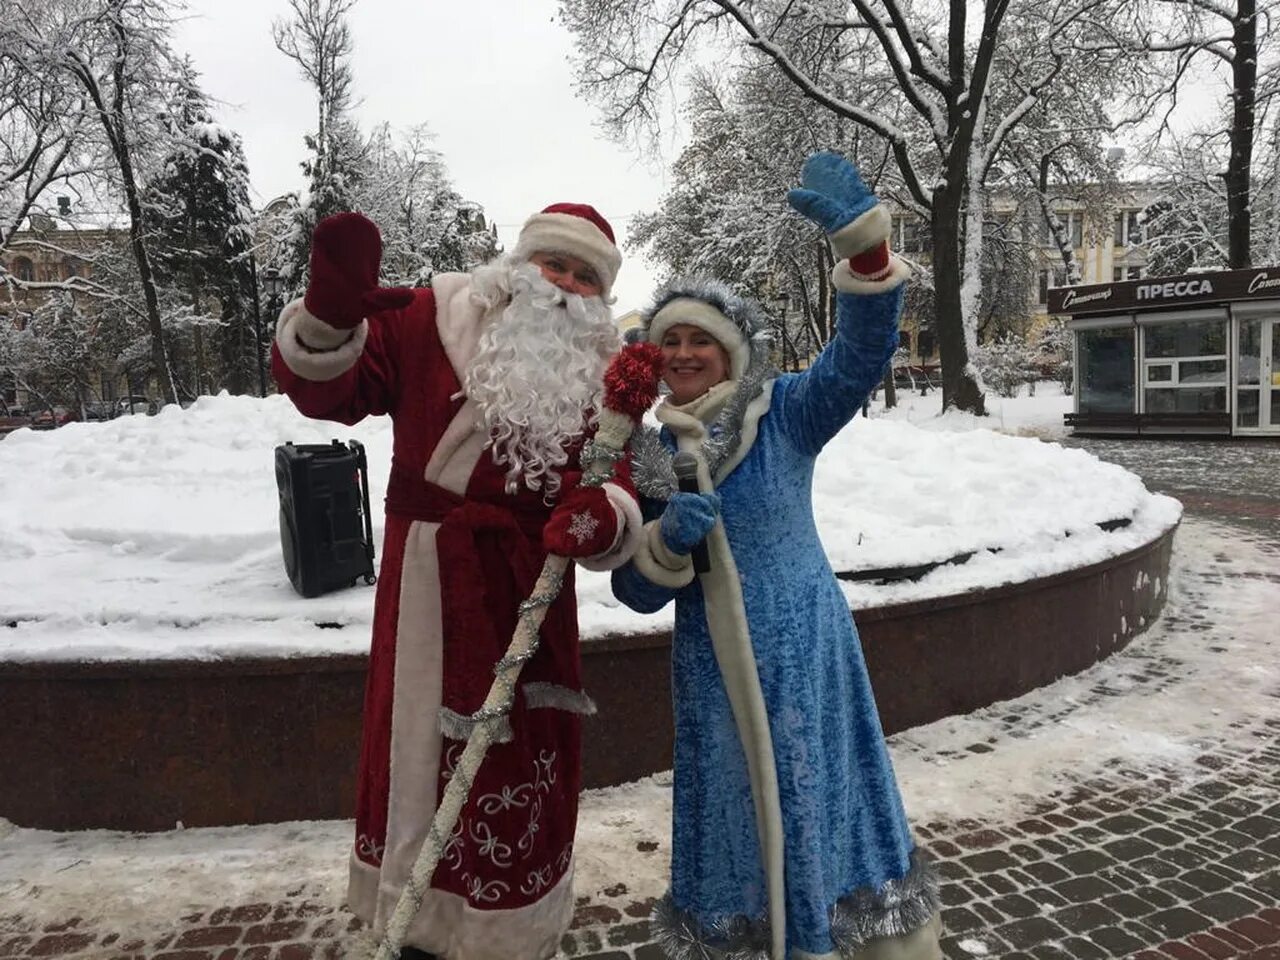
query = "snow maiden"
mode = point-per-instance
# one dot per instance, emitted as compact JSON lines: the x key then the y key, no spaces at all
{"x":789,"y":839}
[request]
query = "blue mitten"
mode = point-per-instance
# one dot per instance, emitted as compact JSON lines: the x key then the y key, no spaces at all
{"x":835,"y":198}
{"x":688,"y":519}
{"x":832,"y":194}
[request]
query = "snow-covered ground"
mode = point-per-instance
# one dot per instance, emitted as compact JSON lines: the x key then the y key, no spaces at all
{"x":149,"y":537}
{"x":1215,"y":652}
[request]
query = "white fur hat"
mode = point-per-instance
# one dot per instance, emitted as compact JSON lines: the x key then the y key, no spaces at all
{"x":576,"y":229}
{"x":710,"y":305}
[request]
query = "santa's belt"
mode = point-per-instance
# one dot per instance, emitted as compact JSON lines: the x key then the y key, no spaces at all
{"x":413,"y":498}
{"x":474,"y":537}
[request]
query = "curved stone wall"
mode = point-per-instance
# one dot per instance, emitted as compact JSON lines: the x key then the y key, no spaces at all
{"x":143,"y":745}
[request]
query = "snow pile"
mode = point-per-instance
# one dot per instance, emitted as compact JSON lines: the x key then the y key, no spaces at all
{"x":158,"y":536}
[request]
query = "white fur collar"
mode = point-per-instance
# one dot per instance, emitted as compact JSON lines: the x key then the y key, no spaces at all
{"x":459,"y":319}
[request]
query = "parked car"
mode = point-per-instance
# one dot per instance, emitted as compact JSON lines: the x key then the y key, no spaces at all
{"x":46,"y":419}
{"x":133,"y":404}
{"x":99,"y":409}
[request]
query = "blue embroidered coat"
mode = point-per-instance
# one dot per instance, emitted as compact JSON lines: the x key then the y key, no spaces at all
{"x":848,"y":866}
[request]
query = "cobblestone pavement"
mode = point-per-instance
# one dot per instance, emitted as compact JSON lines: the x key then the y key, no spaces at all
{"x":1142,"y":860}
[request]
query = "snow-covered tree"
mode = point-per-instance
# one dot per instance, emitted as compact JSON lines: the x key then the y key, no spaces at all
{"x":42,"y":122}
{"x":930,"y":95}
{"x":199,"y":217}
{"x":726,"y":215}
{"x":1009,"y":266}
{"x":427,"y":228}
{"x":53,"y":355}
{"x":116,"y":54}
{"x":1057,"y":352}
{"x":318,"y":39}
{"x":1006,"y":364}
{"x":1233,"y":40}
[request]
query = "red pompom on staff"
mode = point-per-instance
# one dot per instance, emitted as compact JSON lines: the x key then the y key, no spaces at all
{"x":630,"y":388}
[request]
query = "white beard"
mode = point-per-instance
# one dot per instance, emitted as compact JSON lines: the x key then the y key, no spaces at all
{"x":538,"y":368}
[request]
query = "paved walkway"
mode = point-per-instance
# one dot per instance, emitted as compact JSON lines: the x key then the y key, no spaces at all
{"x":1126,"y":859}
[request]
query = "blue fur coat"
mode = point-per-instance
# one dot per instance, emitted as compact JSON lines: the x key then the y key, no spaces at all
{"x":849,"y":865}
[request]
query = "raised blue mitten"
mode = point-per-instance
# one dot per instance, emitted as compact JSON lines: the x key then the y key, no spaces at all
{"x":832,"y":193}
{"x":688,"y":519}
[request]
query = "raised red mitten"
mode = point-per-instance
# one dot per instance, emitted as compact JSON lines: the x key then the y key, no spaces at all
{"x":583,"y":524}
{"x":346,"y":252}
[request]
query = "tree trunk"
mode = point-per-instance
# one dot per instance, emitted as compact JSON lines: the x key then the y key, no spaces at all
{"x":890,"y":388}
{"x":959,"y":385}
{"x":115,"y":124}
{"x":1244,"y":76}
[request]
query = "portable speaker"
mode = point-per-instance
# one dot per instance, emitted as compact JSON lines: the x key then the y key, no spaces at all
{"x":326,"y":533}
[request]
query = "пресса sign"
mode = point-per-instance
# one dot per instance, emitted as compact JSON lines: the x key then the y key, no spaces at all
{"x":1154,"y":292}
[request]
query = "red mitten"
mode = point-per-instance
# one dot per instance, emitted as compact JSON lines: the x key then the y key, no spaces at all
{"x":346,"y":251}
{"x":583,"y":524}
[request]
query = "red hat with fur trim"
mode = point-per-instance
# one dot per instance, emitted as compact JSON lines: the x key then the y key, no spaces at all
{"x":576,"y":229}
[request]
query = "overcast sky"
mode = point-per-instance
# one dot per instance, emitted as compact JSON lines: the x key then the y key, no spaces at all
{"x":492,"y":78}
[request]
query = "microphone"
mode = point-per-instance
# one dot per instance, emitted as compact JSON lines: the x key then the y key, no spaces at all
{"x":685,"y":465}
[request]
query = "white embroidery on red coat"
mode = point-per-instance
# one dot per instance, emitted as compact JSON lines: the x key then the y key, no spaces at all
{"x":499,"y":853}
{"x":488,"y":891}
{"x":369,"y":850}
{"x":510,"y":797}
{"x":478,"y":832}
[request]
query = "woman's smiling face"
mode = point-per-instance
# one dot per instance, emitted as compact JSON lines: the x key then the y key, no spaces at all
{"x":694,"y":362}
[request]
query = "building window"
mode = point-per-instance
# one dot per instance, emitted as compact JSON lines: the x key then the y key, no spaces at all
{"x":1106,"y":374}
{"x":23,"y":269}
{"x":1050,"y":278}
{"x":910,"y":234}
{"x":1125,"y":229}
{"x":1072,"y":222}
{"x":904,"y":340}
{"x":1185,"y":367}
{"x":1126,"y":273}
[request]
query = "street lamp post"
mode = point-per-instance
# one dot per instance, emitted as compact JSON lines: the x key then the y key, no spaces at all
{"x":273,"y":286}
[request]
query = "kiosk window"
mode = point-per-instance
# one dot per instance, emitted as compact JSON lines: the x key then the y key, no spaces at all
{"x":1185,"y":367}
{"x":1106,"y":374}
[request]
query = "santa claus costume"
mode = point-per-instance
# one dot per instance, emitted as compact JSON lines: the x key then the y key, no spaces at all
{"x":486,"y":378}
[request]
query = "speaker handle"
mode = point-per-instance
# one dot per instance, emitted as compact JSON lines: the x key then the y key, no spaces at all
{"x":362,"y":473}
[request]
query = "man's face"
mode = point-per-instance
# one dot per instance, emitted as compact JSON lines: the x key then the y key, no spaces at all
{"x":569,"y":273}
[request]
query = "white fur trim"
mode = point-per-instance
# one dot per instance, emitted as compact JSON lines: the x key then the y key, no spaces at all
{"x":332,"y":351}
{"x":846,"y":281}
{"x":657,"y":564}
{"x":459,"y":320}
{"x":726,"y":614}
{"x":576,"y":236}
{"x":554,"y":696}
{"x":630,"y":523}
{"x":704,"y":316}
{"x":863,"y":233}
{"x":448,"y":925}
